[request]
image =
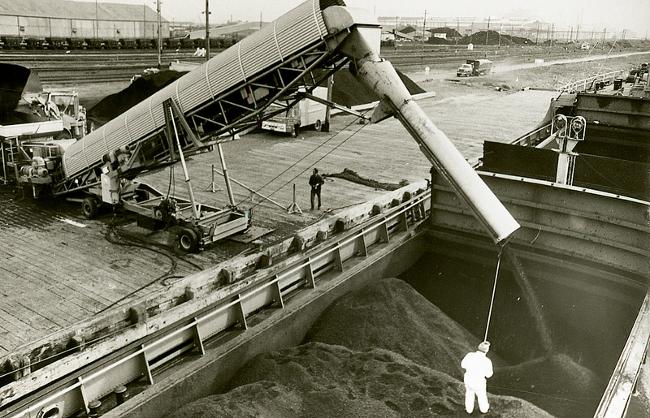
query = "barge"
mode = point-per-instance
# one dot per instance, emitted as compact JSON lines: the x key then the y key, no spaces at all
{"x":579,"y":262}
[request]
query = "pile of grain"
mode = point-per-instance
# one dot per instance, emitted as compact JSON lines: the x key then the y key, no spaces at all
{"x":386,"y":351}
{"x":333,"y":381}
{"x":391,"y":315}
{"x":556,"y":383}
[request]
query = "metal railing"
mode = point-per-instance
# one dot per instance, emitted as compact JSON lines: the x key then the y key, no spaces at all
{"x":128,"y":364}
{"x":588,"y":83}
{"x":621,"y":386}
{"x":533,"y":138}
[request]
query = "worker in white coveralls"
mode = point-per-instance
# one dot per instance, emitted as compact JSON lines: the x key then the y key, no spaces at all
{"x":477,"y":368}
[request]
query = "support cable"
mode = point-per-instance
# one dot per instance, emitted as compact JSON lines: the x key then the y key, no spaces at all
{"x":303,"y":158}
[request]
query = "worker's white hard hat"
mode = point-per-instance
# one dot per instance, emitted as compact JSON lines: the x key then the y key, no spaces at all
{"x":484,"y":346}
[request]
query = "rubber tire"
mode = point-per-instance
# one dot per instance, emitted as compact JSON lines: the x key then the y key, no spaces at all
{"x":90,"y":207}
{"x":318,"y":126}
{"x":187,"y":240}
{"x":141,"y":195}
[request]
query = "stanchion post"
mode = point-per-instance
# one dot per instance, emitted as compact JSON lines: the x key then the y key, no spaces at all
{"x":293,"y":207}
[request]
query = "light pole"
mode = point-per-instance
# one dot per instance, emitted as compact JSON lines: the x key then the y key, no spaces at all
{"x":424,"y":27}
{"x":159,"y":35}
{"x":96,"y":20}
{"x":207,"y":30}
{"x":144,"y":19}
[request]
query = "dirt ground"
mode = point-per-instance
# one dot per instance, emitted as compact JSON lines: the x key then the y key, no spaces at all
{"x":511,"y":73}
{"x":513,"y":77}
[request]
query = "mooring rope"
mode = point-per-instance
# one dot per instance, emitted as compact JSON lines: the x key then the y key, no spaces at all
{"x":494,"y":291}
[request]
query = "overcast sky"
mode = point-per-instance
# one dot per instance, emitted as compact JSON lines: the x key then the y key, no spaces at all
{"x":630,"y":14}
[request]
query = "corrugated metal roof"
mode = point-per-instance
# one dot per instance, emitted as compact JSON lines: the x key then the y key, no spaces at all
{"x":77,"y":10}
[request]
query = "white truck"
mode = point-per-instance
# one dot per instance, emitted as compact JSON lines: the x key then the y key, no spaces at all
{"x":305,"y":113}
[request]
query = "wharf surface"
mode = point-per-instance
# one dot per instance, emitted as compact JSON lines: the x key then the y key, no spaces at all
{"x":57,"y":268}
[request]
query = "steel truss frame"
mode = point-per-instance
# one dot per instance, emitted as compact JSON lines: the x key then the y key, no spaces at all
{"x":235,"y":110}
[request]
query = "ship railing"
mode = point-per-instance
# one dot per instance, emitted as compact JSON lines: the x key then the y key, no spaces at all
{"x":130,"y":356}
{"x":589,"y":82}
{"x":533,"y":138}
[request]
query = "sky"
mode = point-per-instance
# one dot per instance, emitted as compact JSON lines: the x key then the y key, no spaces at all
{"x":622,"y":14}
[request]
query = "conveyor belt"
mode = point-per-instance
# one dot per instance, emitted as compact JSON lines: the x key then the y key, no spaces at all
{"x":236,"y":84}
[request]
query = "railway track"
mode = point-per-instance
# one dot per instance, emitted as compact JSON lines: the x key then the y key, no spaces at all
{"x":86,"y":67}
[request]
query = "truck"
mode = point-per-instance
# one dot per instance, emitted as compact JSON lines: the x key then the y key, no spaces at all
{"x":303,"y":114}
{"x":63,"y":105}
{"x":474,"y":68}
{"x":35,"y":126}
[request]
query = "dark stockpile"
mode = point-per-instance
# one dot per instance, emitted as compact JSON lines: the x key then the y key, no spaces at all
{"x":349,"y":92}
{"x":333,"y":381}
{"x":450,"y":32}
{"x":451,"y":36}
{"x":141,"y":88}
{"x":391,"y":315}
{"x":493,"y":38}
{"x":354,"y":177}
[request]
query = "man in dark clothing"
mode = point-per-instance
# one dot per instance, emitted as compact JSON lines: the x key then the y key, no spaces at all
{"x":315,"y":181}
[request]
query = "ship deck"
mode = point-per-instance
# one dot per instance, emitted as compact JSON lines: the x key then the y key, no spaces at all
{"x":58,"y":269}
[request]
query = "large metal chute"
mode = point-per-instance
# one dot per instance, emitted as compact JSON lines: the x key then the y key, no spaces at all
{"x":362,"y":47}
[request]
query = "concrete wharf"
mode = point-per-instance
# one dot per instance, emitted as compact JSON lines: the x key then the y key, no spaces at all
{"x":58,"y":269}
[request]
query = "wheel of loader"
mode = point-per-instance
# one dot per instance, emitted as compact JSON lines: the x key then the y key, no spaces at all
{"x":90,"y":207}
{"x":141,"y":195}
{"x":318,"y":125}
{"x":187,"y":240}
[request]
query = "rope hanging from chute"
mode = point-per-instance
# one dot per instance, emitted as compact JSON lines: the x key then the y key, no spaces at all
{"x":494,"y":291}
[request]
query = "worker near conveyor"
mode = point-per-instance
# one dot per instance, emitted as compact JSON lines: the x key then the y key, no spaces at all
{"x":478,"y":368}
{"x":315,"y":181}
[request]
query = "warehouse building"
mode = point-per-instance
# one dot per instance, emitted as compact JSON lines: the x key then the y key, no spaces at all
{"x":85,"y":20}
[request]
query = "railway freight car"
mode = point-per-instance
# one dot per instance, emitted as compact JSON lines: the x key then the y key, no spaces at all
{"x":34,"y":24}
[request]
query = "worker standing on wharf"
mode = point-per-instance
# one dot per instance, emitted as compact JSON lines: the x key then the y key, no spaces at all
{"x":478,"y":368}
{"x":315,"y":181}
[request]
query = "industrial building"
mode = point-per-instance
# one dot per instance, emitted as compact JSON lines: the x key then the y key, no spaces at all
{"x":32,"y":19}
